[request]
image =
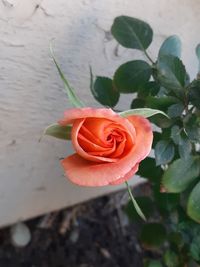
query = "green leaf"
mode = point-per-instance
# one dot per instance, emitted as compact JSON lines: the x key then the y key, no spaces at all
{"x":131,"y":76}
{"x":166,"y":202}
{"x":175,"y":134}
{"x":74,"y":100}
{"x":180,"y":174}
{"x":184,"y":146}
{"x":149,"y":170}
{"x":132,"y":33}
{"x":192,"y":128}
{"x":58,"y":131}
{"x":194,"y":93}
{"x":145,"y":112}
{"x":198,"y":54}
{"x":193,"y":206}
{"x":146,"y":205}
{"x":137,"y":103}
{"x":134,"y":203}
{"x":175,"y":110}
{"x":157,"y":136}
{"x":149,"y":88}
{"x":172,"y":74}
{"x":195,"y":248}
{"x":171,"y":46}
{"x":152,"y":263}
{"x":153,"y":235}
{"x":176,"y":239}
{"x":161,"y":121}
{"x":171,"y":258}
{"x":180,"y":138}
{"x":104,"y":92}
{"x":160,"y":102}
{"x":164,"y":152}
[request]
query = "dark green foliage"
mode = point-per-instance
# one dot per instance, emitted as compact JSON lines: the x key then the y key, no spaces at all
{"x":171,"y":46}
{"x":152,"y":263}
{"x":193,"y":207}
{"x":194,"y":93}
{"x":198,"y":54}
{"x":132,"y":32}
{"x":164,"y":152}
{"x":149,"y":170}
{"x":153,"y":235}
{"x":180,"y":174}
{"x":171,"y":258}
{"x":105,"y":92}
{"x":131,"y":76}
{"x":192,"y":127}
{"x":146,"y":205}
{"x":172,"y":74}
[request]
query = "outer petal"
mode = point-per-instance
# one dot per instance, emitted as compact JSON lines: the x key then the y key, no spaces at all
{"x":128,"y":176}
{"x":87,"y":173}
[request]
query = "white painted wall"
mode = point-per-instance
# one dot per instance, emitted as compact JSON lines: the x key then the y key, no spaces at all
{"x":31,"y":95}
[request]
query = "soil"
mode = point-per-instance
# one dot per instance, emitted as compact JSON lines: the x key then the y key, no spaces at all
{"x":93,"y":234}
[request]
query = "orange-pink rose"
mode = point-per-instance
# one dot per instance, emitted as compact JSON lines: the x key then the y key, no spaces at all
{"x":108,"y":147}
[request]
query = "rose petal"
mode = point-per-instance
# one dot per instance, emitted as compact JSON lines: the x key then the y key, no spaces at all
{"x":87,"y":173}
{"x":73,"y":114}
{"x":127,"y":176}
{"x":75,"y":130}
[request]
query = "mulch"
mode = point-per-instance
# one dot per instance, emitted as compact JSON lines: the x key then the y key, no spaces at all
{"x":93,"y":234}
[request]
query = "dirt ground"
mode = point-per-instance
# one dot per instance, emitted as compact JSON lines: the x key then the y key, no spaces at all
{"x":93,"y":234}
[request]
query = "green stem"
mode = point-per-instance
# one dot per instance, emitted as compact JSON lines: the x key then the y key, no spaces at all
{"x":149,"y":58}
{"x":137,"y":208}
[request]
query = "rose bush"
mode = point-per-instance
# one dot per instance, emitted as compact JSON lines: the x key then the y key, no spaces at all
{"x":108,"y":147}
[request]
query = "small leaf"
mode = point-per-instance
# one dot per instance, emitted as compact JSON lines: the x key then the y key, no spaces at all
{"x":149,"y":170}
{"x":160,"y":102}
{"x":145,"y":112}
{"x":192,"y":128}
{"x":195,"y":248}
{"x":176,"y":238}
{"x":175,"y":110}
{"x":161,"y":121}
{"x":150,"y":88}
{"x":74,"y":100}
{"x":153,"y":235}
{"x":131,"y":76}
{"x":132,"y":33}
{"x":152,"y":263}
{"x":194,"y":93}
{"x":137,"y":103}
{"x":58,"y":131}
{"x":180,"y":174}
{"x":193,"y":206}
{"x":134,"y":203}
{"x":146,"y":205}
{"x":198,"y":54}
{"x":166,"y":202}
{"x":184,"y":146}
{"x":104,"y":92}
{"x":171,"y":258}
{"x":180,"y":138}
{"x":172,"y":74}
{"x":164,"y":152}
{"x":175,"y":134}
{"x":171,"y":46}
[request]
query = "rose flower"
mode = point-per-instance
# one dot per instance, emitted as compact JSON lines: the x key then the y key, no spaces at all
{"x":108,"y":147}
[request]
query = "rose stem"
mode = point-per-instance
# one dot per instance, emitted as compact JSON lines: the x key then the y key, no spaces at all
{"x":137,"y":208}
